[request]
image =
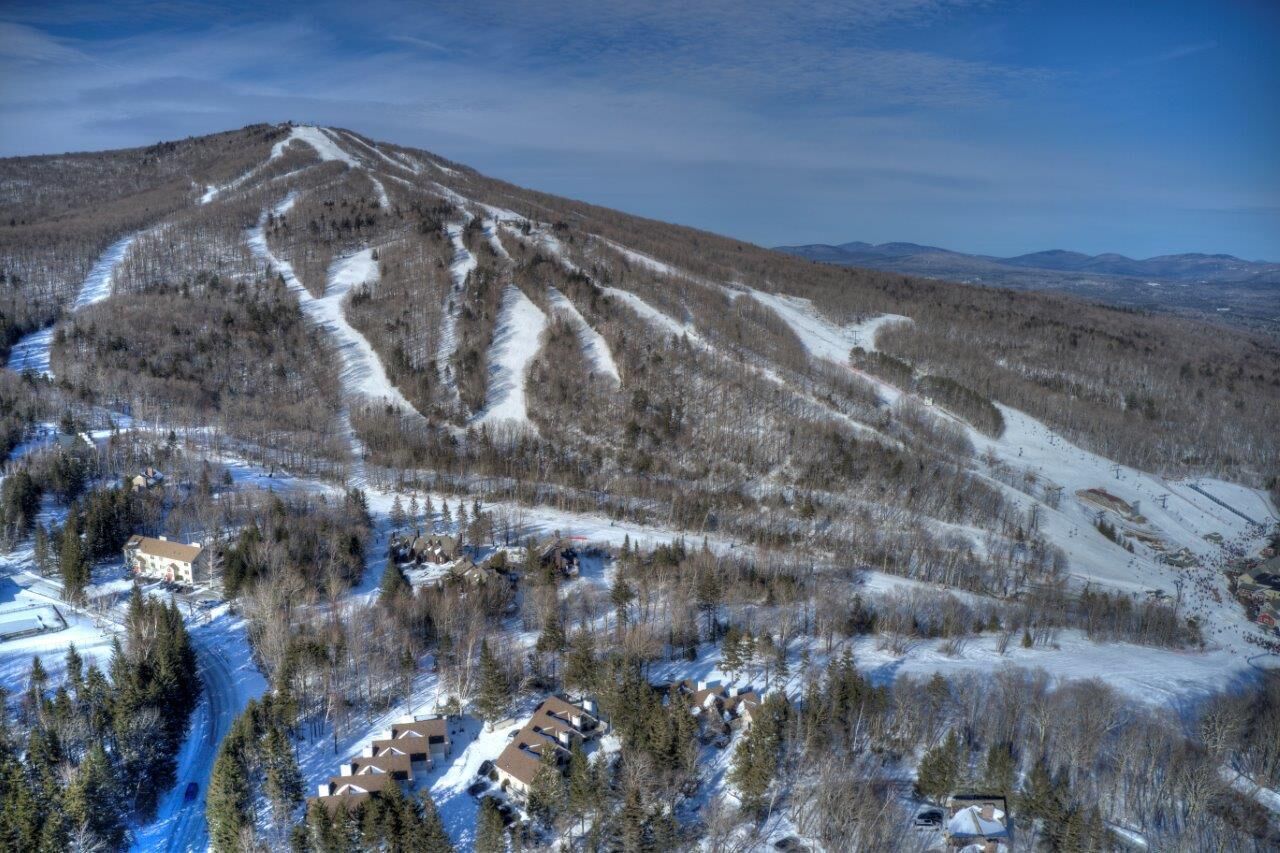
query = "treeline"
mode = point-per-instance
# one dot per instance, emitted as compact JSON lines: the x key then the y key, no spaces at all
{"x":968,"y":404}
{"x":84,"y":758}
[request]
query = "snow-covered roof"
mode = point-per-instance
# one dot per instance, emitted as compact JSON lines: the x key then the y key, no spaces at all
{"x":969,"y":823}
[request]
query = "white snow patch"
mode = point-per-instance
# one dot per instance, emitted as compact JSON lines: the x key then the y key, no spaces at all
{"x":97,"y":285}
{"x":595,"y":346}
{"x":495,"y":241}
{"x":653,"y":315}
{"x":318,"y":139}
{"x":31,"y":352}
{"x":516,"y":341}
{"x":383,"y":200}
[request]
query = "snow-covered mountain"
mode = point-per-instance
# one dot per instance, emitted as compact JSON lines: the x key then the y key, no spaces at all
{"x":370,"y":316}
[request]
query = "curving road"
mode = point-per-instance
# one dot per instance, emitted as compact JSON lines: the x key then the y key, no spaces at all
{"x":183,"y":822}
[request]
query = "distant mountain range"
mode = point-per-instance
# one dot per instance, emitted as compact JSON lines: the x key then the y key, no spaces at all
{"x":1224,"y":286}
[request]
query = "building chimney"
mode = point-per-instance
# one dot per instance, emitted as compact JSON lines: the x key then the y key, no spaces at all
{"x":988,"y":811}
{"x":325,"y":789}
{"x":346,"y":770}
{"x":367,"y":752}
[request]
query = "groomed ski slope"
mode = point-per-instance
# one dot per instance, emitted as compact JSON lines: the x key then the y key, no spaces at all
{"x":320,"y":141}
{"x":593,"y":344}
{"x":97,"y":284}
{"x":1182,"y":521}
{"x":516,"y":341}
{"x":31,"y":352}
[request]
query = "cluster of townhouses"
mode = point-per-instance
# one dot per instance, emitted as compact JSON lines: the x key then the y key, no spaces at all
{"x":410,"y":748}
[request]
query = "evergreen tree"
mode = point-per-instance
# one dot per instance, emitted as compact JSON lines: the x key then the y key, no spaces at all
{"x":283,"y":780}
{"x":999,"y":770}
{"x":90,"y":800}
{"x":755,"y":762}
{"x":490,"y":832}
{"x":72,"y":561}
{"x":580,"y":665}
{"x":394,"y":584}
{"x":547,"y":790}
{"x":495,"y":692}
{"x":939,"y":770}
{"x":228,"y":799}
{"x":396,"y":516}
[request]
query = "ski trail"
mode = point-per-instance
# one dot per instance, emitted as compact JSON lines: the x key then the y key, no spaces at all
{"x":383,"y":201}
{"x":516,"y":341}
{"x":593,"y":343}
{"x":363,"y":372}
{"x":380,"y":154}
{"x":654,"y":316}
{"x":491,"y":231}
{"x":31,"y":352}
{"x":97,"y":285}
{"x":257,"y":239}
{"x":462,"y":265}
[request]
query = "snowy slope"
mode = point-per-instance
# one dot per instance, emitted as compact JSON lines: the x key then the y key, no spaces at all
{"x":367,"y":375}
{"x":653,"y":315}
{"x":593,"y":344}
{"x":462,"y":265}
{"x":516,"y":341}
{"x":822,"y":338}
{"x":362,"y":370}
{"x":31,"y":352}
{"x":97,"y":285}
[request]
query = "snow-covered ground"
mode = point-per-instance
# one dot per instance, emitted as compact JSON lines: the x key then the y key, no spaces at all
{"x":593,"y":343}
{"x":822,"y":338}
{"x":516,"y":341}
{"x":363,"y":373}
{"x":653,"y":315}
{"x":31,"y":352}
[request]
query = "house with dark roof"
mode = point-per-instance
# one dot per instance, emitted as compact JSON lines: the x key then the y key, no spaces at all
{"x":556,"y":724}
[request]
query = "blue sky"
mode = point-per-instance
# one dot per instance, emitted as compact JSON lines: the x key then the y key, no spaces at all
{"x":1145,"y":127}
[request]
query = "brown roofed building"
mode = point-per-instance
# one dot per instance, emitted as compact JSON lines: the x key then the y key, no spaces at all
{"x":396,"y":764}
{"x":162,"y":559}
{"x":350,"y":791}
{"x":556,"y":724}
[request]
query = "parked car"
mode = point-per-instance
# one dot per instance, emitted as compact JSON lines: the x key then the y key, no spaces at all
{"x":193,"y":791}
{"x":929,"y":817}
{"x":485,"y":767}
{"x":477,"y":788}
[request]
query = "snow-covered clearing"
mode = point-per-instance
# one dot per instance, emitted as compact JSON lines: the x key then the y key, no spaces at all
{"x":384,"y":201}
{"x":321,"y":312}
{"x":362,"y":370}
{"x":593,"y":343}
{"x":640,"y":259}
{"x":31,"y":352}
{"x":653,"y":315}
{"x":495,"y":241}
{"x":822,"y":338}
{"x":97,"y":284}
{"x":319,"y":139}
{"x":516,"y":341}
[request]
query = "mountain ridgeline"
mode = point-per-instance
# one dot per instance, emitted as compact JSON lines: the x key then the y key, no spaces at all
{"x":1222,"y":287}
